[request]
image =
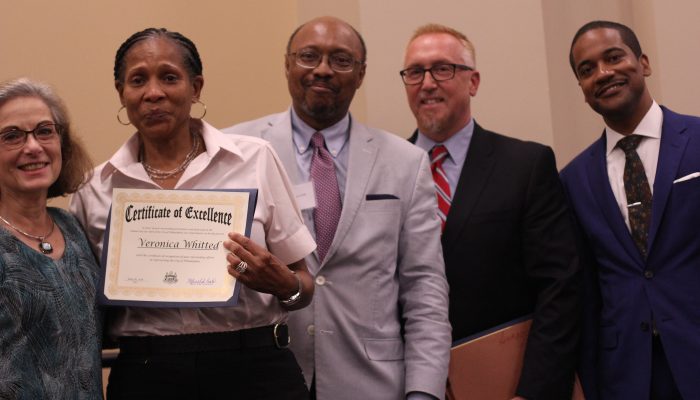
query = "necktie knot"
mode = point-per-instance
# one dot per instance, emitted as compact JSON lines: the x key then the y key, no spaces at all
{"x":438,"y":154}
{"x":629,"y":143}
{"x":318,"y":141}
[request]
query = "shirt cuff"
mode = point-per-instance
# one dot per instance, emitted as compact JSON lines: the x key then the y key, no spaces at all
{"x":420,"y":396}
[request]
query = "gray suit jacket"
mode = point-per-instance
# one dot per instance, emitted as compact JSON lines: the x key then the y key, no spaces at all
{"x":378,"y":325}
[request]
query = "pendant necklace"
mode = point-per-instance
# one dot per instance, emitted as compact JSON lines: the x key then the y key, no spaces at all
{"x":44,"y":246}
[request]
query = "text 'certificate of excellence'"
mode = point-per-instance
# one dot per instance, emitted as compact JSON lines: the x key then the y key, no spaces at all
{"x":164,"y":248}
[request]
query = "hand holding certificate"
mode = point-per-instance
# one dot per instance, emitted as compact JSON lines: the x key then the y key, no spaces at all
{"x":262,"y":271}
{"x":165,"y":248}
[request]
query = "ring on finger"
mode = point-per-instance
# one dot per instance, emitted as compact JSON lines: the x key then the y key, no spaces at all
{"x":241,"y":267}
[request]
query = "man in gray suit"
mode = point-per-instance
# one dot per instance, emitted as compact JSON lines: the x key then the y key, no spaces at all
{"x":378,"y":325}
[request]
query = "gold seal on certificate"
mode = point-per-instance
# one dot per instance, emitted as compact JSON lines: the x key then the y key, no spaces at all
{"x":164,"y":248}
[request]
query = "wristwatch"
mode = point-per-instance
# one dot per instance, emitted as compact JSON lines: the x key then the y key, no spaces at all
{"x":296,"y":297}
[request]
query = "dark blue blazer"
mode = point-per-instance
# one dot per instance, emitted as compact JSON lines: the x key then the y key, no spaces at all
{"x":626,"y":294}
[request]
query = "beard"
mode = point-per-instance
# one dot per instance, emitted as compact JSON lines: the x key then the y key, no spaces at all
{"x":324,"y":109}
{"x":430,"y":124}
{"x":320,"y":111}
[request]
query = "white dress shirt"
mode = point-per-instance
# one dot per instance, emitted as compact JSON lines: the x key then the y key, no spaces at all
{"x":229,"y":162}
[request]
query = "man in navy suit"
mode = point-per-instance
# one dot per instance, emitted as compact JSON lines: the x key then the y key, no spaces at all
{"x":638,"y":209}
{"x":508,"y":243}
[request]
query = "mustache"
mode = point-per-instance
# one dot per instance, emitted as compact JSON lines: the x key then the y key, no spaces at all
{"x":603,"y":86}
{"x":323,"y":82}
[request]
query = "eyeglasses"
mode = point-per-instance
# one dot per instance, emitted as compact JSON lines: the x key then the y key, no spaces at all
{"x":14,"y":138}
{"x":338,"y":62}
{"x":439,"y":72}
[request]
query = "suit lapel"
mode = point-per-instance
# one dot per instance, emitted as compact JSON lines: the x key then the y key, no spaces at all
{"x":362,"y":156}
{"x":475,"y":174}
{"x":600,"y":187}
{"x":673,"y":144}
{"x":279,"y":134}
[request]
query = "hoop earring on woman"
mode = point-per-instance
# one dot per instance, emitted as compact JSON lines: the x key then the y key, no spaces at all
{"x":205,"y":109}
{"x":120,"y":120}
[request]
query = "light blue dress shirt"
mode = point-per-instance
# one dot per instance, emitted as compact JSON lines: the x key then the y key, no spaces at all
{"x":336,"y":137}
{"x":457,"y":146}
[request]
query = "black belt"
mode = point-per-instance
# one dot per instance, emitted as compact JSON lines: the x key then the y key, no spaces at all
{"x":264,"y":336}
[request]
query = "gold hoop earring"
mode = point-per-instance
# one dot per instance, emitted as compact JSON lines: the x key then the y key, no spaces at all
{"x":120,"y":120}
{"x":205,"y":109}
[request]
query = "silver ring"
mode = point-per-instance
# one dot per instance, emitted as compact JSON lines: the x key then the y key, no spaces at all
{"x":241,"y":267}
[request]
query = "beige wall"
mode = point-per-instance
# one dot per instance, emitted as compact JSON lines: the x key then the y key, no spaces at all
{"x":527,"y":88}
{"x":71,"y":45}
{"x":513,"y":96}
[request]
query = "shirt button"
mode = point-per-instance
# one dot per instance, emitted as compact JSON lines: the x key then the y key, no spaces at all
{"x":648,"y":274}
{"x":320,"y":280}
{"x":310,"y":329}
{"x":644,"y":326}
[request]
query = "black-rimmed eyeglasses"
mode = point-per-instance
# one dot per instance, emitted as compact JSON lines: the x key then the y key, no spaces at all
{"x":338,"y":62}
{"x":14,"y":138}
{"x":439,"y":72}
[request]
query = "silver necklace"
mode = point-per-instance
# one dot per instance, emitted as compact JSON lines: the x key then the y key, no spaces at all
{"x":160,"y":175}
{"x":44,"y":246}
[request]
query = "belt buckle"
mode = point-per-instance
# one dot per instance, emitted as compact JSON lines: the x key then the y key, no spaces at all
{"x":276,"y":337}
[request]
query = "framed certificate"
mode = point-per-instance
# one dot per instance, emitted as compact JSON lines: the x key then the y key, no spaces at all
{"x":164,"y":248}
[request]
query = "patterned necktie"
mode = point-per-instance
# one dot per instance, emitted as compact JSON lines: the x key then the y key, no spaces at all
{"x":327,"y":211}
{"x":637,"y":191}
{"x":438,"y":154}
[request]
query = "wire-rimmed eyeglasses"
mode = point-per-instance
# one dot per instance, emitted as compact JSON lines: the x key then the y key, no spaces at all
{"x":439,"y":72}
{"x":338,"y":62}
{"x":44,"y":133}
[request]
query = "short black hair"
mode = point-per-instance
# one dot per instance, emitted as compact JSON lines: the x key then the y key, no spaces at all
{"x":363,"y":47}
{"x":191,"y":56}
{"x":627,"y":35}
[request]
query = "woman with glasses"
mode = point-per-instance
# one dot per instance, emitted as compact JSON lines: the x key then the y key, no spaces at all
{"x":201,"y":352}
{"x":49,"y":335}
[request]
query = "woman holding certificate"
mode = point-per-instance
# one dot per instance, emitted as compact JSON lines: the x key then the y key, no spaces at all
{"x":49,"y":337}
{"x":200,"y":352}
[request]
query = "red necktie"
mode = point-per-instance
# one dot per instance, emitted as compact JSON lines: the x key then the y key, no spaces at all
{"x":438,"y":154}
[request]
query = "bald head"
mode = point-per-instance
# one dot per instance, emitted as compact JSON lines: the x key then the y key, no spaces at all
{"x":329,"y":20}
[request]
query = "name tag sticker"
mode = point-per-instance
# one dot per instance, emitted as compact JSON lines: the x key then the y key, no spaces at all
{"x":305,"y":195}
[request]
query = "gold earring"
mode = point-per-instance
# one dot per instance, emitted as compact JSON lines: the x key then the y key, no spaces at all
{"x":205,"y":109}
{"x":120,"y":120}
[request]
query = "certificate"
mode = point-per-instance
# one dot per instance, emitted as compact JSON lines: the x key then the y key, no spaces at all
{"x":164,"y":248}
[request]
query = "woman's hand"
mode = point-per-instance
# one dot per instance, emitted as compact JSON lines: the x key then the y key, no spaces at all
{"x":266,"y":273}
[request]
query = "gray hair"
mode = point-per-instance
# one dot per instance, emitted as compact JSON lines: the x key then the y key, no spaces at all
{"x":76,"y":166}
{"x":25,"y":87}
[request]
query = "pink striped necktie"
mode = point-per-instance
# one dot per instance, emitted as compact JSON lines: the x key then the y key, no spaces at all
{"x":438,"y":154}
{"x":328,"y":207}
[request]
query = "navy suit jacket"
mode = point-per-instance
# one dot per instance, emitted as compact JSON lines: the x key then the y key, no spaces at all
{"x":624,"y":292}
{"x":509,"y":251}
